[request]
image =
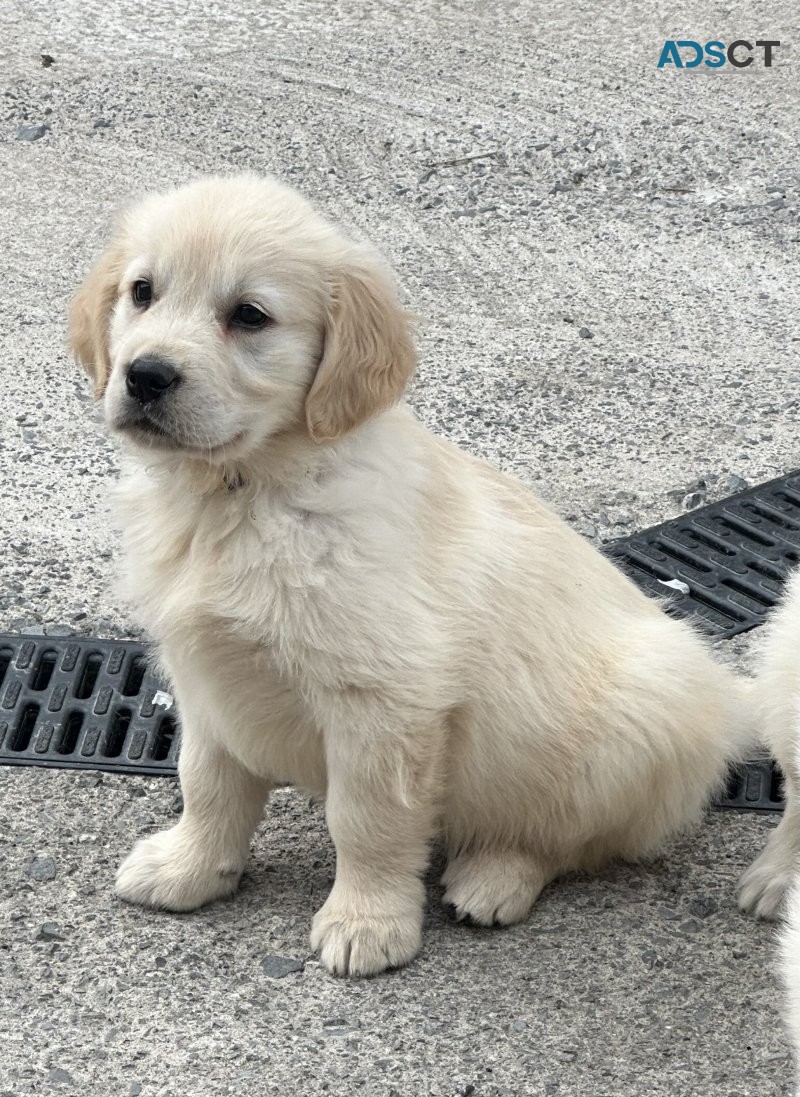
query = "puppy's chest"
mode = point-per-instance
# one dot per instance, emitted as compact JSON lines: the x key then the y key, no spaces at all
{"x":263,"y":571}
{"x":223,"y":549}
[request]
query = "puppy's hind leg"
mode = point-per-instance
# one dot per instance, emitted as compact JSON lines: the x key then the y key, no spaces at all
{"x":203,"y":856}
{"x":494,"y":886}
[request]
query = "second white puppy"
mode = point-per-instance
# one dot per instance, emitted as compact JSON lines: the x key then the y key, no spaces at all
{"x":346,"y":602}
{"x":771,"y":886}
{"x":764,"y":886}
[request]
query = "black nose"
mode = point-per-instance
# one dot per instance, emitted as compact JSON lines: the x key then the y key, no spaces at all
{"x":149,"y":378}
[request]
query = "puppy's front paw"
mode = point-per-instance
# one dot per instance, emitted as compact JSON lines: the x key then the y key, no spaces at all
{"x":764,"y":886}
{"x":169,"y":872}
{"x":353,"y":939}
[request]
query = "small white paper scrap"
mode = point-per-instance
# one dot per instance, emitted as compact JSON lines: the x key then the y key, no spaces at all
{"x":676,"y":584}
{"x":162,"y":698}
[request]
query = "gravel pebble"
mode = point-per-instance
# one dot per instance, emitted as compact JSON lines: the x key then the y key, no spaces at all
{"x":32,"y":133}
{"x":57,"y":1074}
{"x":339,"y":1026}
{"x":732,"y":484}
{"x":41,"y":868}
{"x":49,"y":931}
{"x":702,"y":906}
{"x":693,"y":500}
{"x":278,"y":967}
{"x":691,"y":925}
{"x":59,"y":632}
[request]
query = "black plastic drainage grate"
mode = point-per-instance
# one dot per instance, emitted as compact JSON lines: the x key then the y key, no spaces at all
{"x":88,"y":704}
{"x":723,"y":564}
{"x":756,"y":785}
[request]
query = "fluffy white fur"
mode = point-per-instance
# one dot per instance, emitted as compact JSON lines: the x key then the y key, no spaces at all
{"x":346,"y":602}
{"x":763,"y":887}
{"x":790,"y":958}
{"x":771,"y":886}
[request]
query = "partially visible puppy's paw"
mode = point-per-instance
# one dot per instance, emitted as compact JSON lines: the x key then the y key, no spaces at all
{"x":169,"y":873}
{"x":764,"y":886}
{"x":493,"y":887}
{"x":354,"y":940}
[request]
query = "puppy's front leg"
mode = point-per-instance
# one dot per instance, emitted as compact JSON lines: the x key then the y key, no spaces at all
{"x":203,"y":856}
{"x":383,"y":780}
{"x":763,"y":888}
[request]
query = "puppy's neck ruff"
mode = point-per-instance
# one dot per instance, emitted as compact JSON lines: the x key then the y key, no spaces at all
{"x":290,"y":464}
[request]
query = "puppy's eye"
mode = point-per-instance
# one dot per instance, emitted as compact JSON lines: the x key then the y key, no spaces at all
{"x":249,"y":317}
{"x":142,"y":293}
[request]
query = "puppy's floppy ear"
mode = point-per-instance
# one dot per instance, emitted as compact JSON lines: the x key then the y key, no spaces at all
{"x":89,"y":317}
{"x":369,"y":355}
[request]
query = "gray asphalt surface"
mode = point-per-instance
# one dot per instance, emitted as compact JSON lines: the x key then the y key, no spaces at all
{"x":603,"y":258}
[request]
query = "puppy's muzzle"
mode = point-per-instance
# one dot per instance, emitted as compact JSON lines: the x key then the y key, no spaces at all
{"x":149,"y":378}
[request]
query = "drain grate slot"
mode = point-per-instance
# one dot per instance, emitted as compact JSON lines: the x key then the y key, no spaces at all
{"x":769,"y":571}
{"x":6,"y":655}
{"x":89,"y":673}
{"x":44,"y":670}
{"x":674,"y":551}
{"x":164,"y":738}
{"x":700,"y":537}
{"x":135,"y":676}
{"x":23,"y":731}
{"x":750,"y":592}
{"x":771,"y":514}
{"x":732,"y":556}
{"x":756,"y":785}
{"x":84,"y":704}
{"x":115,"y":739}
{"x":68,"y":740}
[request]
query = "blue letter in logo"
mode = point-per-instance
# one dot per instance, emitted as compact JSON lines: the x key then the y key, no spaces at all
{"x":670,"y":55}
{"x":698,"y":52}
{"x":718,"y":52}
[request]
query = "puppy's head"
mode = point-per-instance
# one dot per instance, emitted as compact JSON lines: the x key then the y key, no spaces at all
{"x":227,"y":312}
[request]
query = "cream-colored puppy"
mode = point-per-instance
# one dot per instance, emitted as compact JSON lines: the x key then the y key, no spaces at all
{"x":346,"y":602}
{"x":771,"y":886}
{"x":764,"y":886}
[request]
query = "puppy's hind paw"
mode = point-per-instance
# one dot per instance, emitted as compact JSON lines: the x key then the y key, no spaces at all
{"x":169,"y":873}
{"x":494,"y":887}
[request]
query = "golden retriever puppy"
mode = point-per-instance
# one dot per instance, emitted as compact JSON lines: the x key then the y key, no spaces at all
{"x":345,"y":602}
